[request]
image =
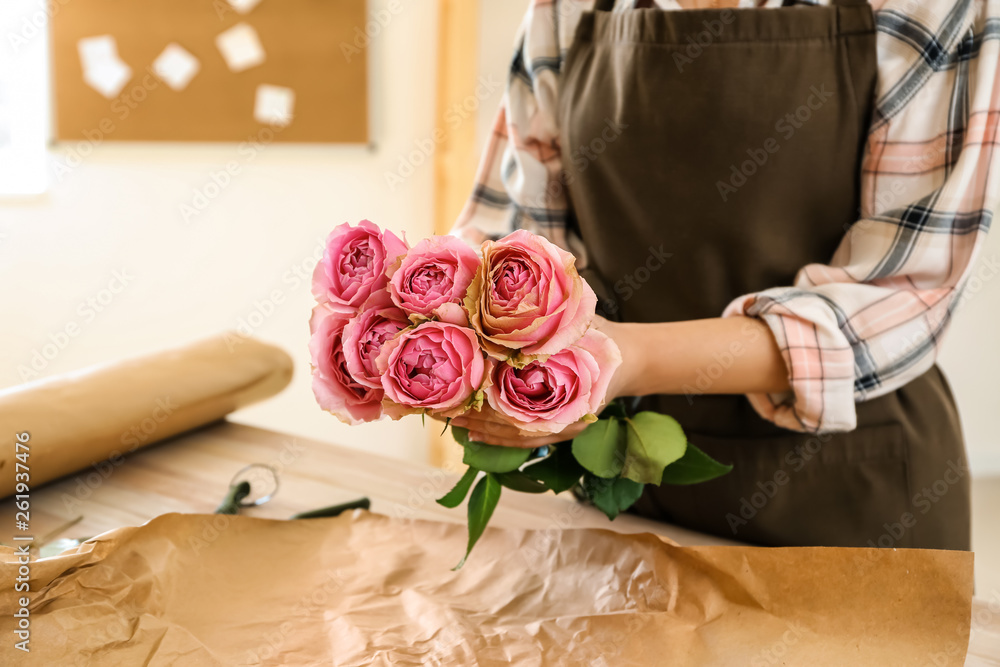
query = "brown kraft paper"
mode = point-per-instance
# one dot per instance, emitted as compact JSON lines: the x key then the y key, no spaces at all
{"x":109,"y":410}
{"x":365,"y":589}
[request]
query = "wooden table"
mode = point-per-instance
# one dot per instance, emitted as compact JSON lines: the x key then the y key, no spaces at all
{"x":191,"y":474}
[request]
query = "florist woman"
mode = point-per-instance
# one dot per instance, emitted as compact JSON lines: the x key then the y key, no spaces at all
{"x":779,"y":204}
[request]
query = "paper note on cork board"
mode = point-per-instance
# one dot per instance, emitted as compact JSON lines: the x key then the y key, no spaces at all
{"x":304,"y":45}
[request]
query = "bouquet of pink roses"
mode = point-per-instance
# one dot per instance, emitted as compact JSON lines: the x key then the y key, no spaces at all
{"x":440,"y":329}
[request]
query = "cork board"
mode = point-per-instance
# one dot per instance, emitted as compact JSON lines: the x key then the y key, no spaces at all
{"x":311,"y":47}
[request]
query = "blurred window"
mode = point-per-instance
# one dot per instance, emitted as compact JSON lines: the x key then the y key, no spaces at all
{"x":24,"y":94}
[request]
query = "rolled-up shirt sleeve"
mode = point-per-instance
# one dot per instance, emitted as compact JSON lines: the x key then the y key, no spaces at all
{"x":873,"y":318}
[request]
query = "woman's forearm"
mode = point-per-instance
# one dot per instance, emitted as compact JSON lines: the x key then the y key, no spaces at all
{"x":733,"y":355}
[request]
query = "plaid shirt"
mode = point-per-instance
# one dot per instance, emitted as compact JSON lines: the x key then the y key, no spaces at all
{"x":871,"y":319}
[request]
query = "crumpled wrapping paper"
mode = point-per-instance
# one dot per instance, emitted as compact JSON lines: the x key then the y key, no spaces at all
{"x":110,"y":410}
{"x":364,"y":589}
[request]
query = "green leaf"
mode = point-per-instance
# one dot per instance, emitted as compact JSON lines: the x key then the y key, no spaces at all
{"x":654,"y":441}
{"x":600,"y":448}
{"x":482,"y":502}
{"x":518,"y":481}
{"x":612,"y":496}
{"x":559,"y":470}
{"x":457,"y":494}
{"x":694,"y":467}
{"x":489,"y":458}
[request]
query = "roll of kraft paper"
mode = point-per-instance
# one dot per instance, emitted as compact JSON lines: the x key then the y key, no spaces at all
{"x":106,"y":411}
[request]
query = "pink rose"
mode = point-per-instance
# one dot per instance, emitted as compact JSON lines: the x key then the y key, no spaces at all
{"x":435,"y":366}
{"x":433,"y":278}
{"x":547,"y":396}
{"x":335,"y":389}
{"x":378,"y":321}
{"x":355,"y":263}
{"x":527,"y":300}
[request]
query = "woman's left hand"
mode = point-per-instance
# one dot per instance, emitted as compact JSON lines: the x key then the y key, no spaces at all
{"x":493,"y":428}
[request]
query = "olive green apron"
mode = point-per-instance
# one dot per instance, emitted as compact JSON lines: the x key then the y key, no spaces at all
{"x":713,"y":153}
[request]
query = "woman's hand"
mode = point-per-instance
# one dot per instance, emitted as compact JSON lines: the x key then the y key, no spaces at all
{"x":493,"y":428}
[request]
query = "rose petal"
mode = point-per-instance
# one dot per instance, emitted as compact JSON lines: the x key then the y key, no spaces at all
{"x":547,"y":396}
{"x":336,"y":390}
{"x":434,"y":366}
{"x":435,"y":272}
{"x":355,"y":264}
{"x":528,"y":299}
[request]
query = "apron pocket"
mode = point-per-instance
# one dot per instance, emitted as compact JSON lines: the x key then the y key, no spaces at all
{"x":842,"y":489}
